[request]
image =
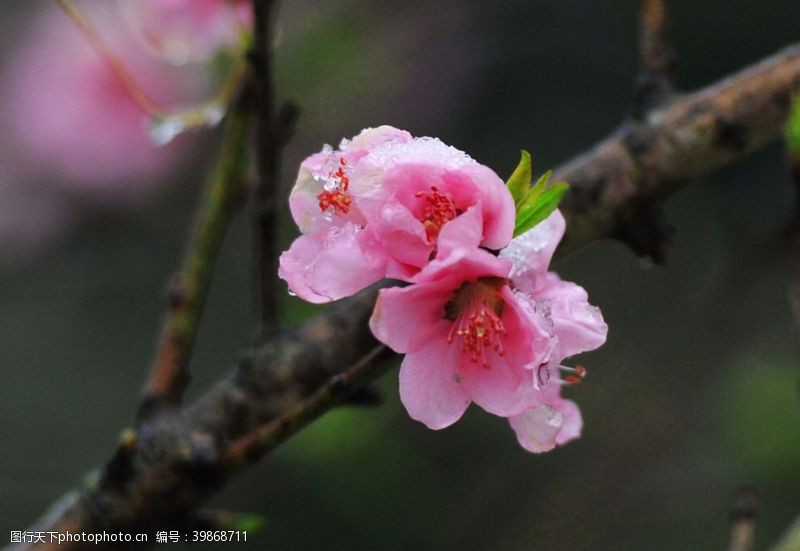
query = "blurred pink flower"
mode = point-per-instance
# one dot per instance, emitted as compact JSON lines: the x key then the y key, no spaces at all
{"x":71,"y":121}
{"x":466,"y":338}
{"x":181,"y":31}
{"x":394,"y":196}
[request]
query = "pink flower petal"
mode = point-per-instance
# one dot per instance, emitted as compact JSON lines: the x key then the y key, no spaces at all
{"x":402,"y":234}
{"x":497,"y":205}
{"x":537,"y":428}
{"x":407,"y":317}
{"x":465,"y":231}
{"x":502,"y":388}
{"x":332,"y":264}
{"x":579,"y":326}
{"x":430,"y":388}
{"x":573,"y":422}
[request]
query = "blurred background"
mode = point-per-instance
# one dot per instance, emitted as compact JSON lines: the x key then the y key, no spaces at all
{"x":694,"y":394}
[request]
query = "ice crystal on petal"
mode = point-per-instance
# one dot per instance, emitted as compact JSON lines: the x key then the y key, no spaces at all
{"x":425,"y":149}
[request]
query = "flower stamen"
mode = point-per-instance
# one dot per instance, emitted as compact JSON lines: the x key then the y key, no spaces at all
{"x":575,"y":374}
{"x":476,"y":312}
{"x":336,"y":198}
{"x":438,"y":210}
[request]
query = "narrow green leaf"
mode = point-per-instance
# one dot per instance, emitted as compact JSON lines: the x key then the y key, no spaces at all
{"x":519,"y":184}
{"x":536,"y":191}
{"x":547,"y":202}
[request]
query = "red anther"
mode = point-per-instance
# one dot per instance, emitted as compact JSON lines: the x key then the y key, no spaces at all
{"x":476,"y":312}
{"x":436,"y":212}
{"x":572,"y":379}
{"x":580,"y":371}
{"x":337,"y":201}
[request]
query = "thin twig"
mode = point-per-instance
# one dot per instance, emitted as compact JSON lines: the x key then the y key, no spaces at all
{"x":268,"y":152}
{"x":252,"y":446}
{"x":656,"y":58}
{"x":145,"y":102}
{"x":188,"y":289}
{"x":743,"y":520}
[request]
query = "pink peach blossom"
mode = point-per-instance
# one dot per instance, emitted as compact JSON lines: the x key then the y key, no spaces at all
{"x":465,"y":336}
{"x":403,"y":193}
{"x":334,"y":257}
{"x":188,"y":30}
{"x":425,"y":186}
{"x":322,"y":196}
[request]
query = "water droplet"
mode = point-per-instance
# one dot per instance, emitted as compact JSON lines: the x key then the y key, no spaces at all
{"x":163,"y":130}
{"x":213,"y":114}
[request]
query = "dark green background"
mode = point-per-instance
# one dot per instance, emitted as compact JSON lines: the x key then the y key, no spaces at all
{"x":694,"y":394}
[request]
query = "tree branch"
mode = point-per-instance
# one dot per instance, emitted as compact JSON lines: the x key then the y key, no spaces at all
{"x":171,"y":464}
{"x":256,"y":443}
{"x":273,"y":130}
{"x":644,"y":161}
{"x":188,"y":289}
{"x":656,"y":57}
{"x":163,"y":469}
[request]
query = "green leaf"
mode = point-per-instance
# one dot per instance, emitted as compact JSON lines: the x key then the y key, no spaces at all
{"x":536,"y":191}
{"x":535,"y":211}
{"x":793,"y":128}
{"x":519,"y":184}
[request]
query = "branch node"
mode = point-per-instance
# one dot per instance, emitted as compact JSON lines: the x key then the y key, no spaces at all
{"x":643,"y":226}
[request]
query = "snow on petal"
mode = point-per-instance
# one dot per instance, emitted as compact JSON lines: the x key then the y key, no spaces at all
{"x":532,"y":251}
